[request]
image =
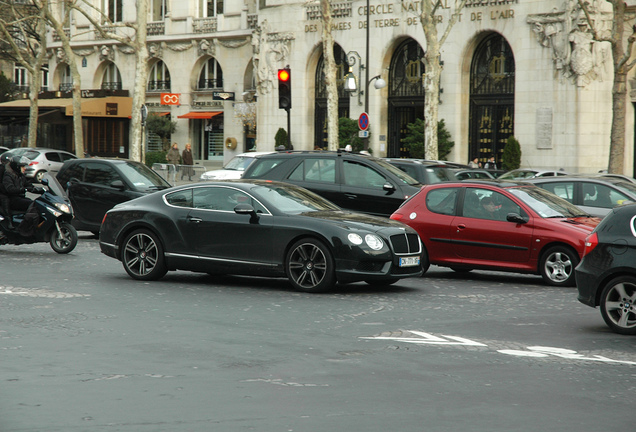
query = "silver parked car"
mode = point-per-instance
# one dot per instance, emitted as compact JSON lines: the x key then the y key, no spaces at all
{"x":529,"y":173}
{"x":42,"y":160}
{"x":234,"y":168}
{"x":594,"y":195}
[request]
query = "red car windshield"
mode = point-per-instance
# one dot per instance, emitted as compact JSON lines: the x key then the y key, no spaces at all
{"x":546,"y":204}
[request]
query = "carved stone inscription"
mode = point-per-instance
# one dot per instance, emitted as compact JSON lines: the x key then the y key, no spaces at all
{"x":544,"y":128}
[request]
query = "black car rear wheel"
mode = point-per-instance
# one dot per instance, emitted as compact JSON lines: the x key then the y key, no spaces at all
{"x":618,"y":305}
{"x":310,"y":267}
{"x":142,"y":256}
{"x":557,"y":266}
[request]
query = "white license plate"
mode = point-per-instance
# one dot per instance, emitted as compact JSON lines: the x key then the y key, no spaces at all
{"x":409,"y":261}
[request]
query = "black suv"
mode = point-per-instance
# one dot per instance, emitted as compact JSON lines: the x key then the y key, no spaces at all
{"x":350,"y":180}
{"x":425,"y":172}
{"x":94,"y":186}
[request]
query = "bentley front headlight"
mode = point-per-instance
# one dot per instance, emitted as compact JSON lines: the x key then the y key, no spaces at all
{"x":355,"y":239}
{"x":373,"y":241}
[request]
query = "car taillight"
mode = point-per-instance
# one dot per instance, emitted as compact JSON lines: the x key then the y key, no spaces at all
{"x":590,"y":243}
{"x":34,"y":163}
{"x":397,"y":216}
{"x":104,"y":219}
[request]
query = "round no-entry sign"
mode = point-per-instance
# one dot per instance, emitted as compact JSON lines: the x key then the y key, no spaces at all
{"x":363,"y":121}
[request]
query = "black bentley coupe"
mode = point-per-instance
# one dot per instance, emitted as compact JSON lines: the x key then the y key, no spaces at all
{"x":258,"y":227}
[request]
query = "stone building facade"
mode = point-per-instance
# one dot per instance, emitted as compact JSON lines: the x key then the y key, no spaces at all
{"x":527,"y":68}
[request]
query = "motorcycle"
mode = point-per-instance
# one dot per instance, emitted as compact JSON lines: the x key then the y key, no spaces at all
{"x":55,"y":216}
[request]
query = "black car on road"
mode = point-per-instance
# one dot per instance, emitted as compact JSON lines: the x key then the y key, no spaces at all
{"x":263,"y":228}
{"x":606,"y":276}
{"x":352,"y":181}
{"x":425,"y":172}
{"x":95,"y":185}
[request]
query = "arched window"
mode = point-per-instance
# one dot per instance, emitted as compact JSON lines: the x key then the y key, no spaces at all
{"x":211,"y":76}
{"x":158,"y":10}
{"x":492,"y":99}
{"x":20,"y":79}
{"x":406,"y":94}
{"x":159,"y":77}
{"x":111,"y":79}
{"x":407,"y":71}
{"x":113,"y":9}
{"x":66,"y":79}
{"x":320,"y":105}
{"x":210,"y":8}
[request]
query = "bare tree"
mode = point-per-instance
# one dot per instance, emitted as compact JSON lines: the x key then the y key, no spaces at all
{"x":621,"y":37}
{"x":433,"y":68}
{"x":23,"y":41}
{"x":136,"y":41}
{"x":330,"y":76}
{"x":67,"y":56}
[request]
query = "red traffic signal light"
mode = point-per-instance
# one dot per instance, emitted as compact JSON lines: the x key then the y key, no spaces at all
{"x":284,"y":89}
{"x":283,"y":75}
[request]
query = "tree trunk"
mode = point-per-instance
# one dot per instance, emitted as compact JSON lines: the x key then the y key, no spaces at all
{"x":330,"y":76}
{"x":433,"y":70}
{"x":78,"y":134}
{"x":137,"y":147}
{"x":619,"y":92}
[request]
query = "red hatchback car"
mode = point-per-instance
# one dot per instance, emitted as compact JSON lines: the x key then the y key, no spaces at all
{"x":498,"y":225}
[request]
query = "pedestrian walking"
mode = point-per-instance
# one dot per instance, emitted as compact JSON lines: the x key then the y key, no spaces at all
{"x":188,"y":161}
{"x":474,"y":163}
{"x":491,"y":164}
{"x":173,"y":157}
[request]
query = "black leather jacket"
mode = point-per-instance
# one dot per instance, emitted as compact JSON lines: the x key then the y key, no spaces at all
{"x":15,"y":184}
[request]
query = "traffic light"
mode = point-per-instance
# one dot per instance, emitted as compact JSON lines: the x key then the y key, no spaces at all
{"x":284,"y":89}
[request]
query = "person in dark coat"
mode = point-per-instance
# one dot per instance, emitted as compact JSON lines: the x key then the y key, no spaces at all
{"x":5,"y":208}
{"x":15,"y":183}
{"x":188,"y":161}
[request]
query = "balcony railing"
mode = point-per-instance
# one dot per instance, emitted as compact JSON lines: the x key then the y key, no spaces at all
{"x":158,"y":86}
{"x":204,"y":25}
{"x":56,"y":37}
{"x":115,"y":85}
{"x":156,"y":28}
{"x":107,"y":29}
{"x":252,"y":21}
{"x":209,"y":84}
{"x":66,"y":87}
{"x":338,"y":10}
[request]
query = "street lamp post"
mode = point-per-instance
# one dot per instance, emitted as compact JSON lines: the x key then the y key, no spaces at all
{"x":352,"y":56}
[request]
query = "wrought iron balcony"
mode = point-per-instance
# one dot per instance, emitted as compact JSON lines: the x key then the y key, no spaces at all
{"x":209,"y":84}
{"x":66,"y":87}
{"x":115,"y":85}
{"x":158,"y":86}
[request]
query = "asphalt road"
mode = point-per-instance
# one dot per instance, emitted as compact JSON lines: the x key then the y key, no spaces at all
{"x":85,"y":348}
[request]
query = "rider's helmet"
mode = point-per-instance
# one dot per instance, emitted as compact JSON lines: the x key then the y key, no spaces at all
{"x":19,"y":161}
{"x":5,"y":158}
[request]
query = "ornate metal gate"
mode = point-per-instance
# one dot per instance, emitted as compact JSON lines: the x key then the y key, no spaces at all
{"x":320,"y":108}
{"x":406,"y":94}
{"x":492,"y":85}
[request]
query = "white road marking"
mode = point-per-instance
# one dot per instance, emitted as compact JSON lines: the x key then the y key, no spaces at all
{"x":427,"y":338}
{"x":532,"y":351}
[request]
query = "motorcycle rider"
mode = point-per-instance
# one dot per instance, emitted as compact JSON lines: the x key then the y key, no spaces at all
{"x":15,"y":184}
{"x":5,"y":209}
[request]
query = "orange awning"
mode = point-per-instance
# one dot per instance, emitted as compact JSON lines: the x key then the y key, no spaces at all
{"x":200,"y":114}
{"x":161,"y":114}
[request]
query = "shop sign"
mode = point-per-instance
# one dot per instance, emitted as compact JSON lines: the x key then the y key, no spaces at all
{"x":223,"y":96}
